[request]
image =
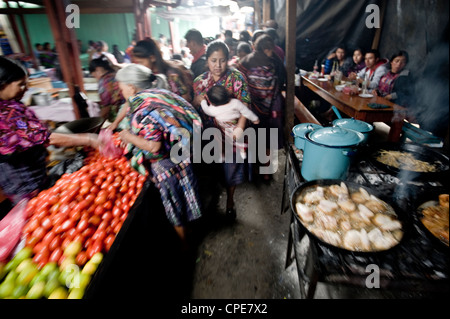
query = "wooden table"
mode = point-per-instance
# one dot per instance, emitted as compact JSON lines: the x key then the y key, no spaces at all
{"x":356,"y":107}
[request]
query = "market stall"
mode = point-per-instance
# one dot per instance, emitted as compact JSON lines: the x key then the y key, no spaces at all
{"x":96,"y":232}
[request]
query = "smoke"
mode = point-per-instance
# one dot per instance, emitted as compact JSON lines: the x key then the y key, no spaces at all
{"x":432,"y":92}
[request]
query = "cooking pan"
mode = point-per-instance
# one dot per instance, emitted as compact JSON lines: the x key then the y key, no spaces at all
{"x":430,"y":198}
{"x":83,"y":125}
{"x":402,"y":217}
{"x":420,"y":152}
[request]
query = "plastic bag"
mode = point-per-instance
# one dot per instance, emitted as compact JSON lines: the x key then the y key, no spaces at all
{"x":107,"y":147}
{"x":11,"y":228}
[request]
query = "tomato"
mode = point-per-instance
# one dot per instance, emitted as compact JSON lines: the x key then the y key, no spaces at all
{"x":85,"y":189}
{"x":89,"y":199}
{"x":38,"y":247}
{"x":125,"y":199}
{"x":31,"y":226}
{"x":81,"y":258}
{"x":96,"y":247}
{"x":39,"y":233}
{"x":54,"y":209}
{"x":116,"y":211}
{"x":47,"y":239}
{"x":105,"y":185}
{"x":56,"y":255}
{"x":75,"y":214}
{"x":66,"y":241}
{"x":118,"y":227}
{"x":95,"y":219}
{"x":108,"y":205}
{"x":88,"y":232}
{"x":95,"y":189}
{"x":82,"y":225}
{"x":132,"y":183}
{"x":101,"y":198}
{"x":125,"y":207}
{"x":55,"y":243}
{"x":109,"y":241}
{"x":58,"y":219}
{"x":107,"y":216}
{"x":67,"y":225}
{"x":71,"y":232}
{"x":117,"y":181}
{"x":41,"y":258}
{"x":99,"y":210}
{"x":123,"y":188}
{"x":103,"y":225}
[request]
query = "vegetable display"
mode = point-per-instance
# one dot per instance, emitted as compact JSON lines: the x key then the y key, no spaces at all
{"x":72,"y":223}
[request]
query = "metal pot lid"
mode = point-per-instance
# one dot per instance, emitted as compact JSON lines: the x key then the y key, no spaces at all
{"x":353,"y":124}
{"x":336,"y":136}
{"x":301,"y":129}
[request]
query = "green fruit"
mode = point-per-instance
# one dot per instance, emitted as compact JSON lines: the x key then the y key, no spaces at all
{"x":89,"y":268}
{"x":48,"y":268}
{"x":38,"y":278}
{"x":85,"y":279}
{"x":23,"y":254}
{"x":36,"y":291}
{"x":2,"y":270}
{"x":6,"y":289}
{"x":25,"y":277}
{"x":24,"y":264}
{"x":19,"y":291}
{"x":97,"y":258}
{"x":11,"y":265}
{"x":11,"y":276}
{"x":76,"y":293}
{"x":53,"y":275}
{"x":51,"y":286}
{"x":58,"y":293}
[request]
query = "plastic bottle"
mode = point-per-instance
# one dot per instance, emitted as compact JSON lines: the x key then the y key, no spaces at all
{"x":316,"y":67}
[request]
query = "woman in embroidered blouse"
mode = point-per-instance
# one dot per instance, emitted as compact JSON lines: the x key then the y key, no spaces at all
{"x":396,"y":84}
{"x":159,"y":121}
{"x":219,"y":73}
{"x":108,"y":89}
{"x":24,"y":138}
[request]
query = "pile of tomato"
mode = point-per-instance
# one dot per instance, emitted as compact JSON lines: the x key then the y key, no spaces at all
{"x":88,"y":206}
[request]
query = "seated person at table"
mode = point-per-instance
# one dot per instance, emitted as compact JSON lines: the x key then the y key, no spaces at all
{"x":374,"y":70}
{"x":337,"y":55}
{"x":357,"y":62}
{"x":396,"y":84}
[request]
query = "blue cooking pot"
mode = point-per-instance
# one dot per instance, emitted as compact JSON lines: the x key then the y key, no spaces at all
{"x":356,"y":125}
{"x":328,"y":153}
{"x":299,"y":131}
